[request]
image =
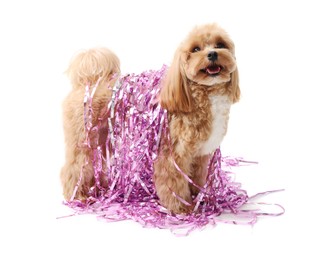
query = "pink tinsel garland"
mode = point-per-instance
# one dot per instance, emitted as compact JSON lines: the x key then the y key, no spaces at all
{"x":136,"y":122}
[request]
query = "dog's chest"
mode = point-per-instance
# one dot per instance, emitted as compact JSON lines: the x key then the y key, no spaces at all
{"x":220,"y":106}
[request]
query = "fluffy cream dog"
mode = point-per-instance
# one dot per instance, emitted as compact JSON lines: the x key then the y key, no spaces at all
{"x":197,"y":91}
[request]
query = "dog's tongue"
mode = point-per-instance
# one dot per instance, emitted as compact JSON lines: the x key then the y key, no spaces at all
{"x":213,"y":69}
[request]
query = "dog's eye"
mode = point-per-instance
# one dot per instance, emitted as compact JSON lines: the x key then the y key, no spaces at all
{"x":220,"y":45}
{"x":196,"y":49}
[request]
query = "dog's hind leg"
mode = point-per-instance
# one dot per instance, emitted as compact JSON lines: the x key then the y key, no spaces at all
{"x":87,"y":68}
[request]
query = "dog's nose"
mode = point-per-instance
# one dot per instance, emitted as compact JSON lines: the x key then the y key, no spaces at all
{"x":212,"y":56}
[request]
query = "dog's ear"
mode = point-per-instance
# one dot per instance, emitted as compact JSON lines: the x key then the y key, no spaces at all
{"x":175,"y":95}
{"x":235,"y":91}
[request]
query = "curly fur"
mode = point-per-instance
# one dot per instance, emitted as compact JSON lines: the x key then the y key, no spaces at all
{"x":197,"y":91}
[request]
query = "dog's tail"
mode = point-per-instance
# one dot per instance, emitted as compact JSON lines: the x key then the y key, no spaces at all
{"x":86,"y":67}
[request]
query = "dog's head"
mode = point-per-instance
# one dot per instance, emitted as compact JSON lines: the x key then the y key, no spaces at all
{"x":207,"y":58}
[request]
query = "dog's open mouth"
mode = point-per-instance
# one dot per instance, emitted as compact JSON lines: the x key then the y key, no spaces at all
{"x":212,"y":70}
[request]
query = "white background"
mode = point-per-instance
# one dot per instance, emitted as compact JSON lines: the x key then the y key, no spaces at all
{"x":280,"y":122}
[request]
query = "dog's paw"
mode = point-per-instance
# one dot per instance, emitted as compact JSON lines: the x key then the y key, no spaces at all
{"x":176,"y":206}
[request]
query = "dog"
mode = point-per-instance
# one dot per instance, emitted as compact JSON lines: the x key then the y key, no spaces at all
{"x":197,"y":92}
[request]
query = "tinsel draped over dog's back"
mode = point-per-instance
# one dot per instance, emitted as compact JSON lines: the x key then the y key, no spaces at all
{"x":136,"y":123}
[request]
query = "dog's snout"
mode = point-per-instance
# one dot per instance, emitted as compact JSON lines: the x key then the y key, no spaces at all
{"x":212,"y":56}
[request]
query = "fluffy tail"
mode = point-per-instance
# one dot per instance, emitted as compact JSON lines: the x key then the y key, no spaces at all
{"x":86,"y":67}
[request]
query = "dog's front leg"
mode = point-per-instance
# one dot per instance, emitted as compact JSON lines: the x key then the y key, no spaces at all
{"x":199,"y":172}
{"x":171,"y":185}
